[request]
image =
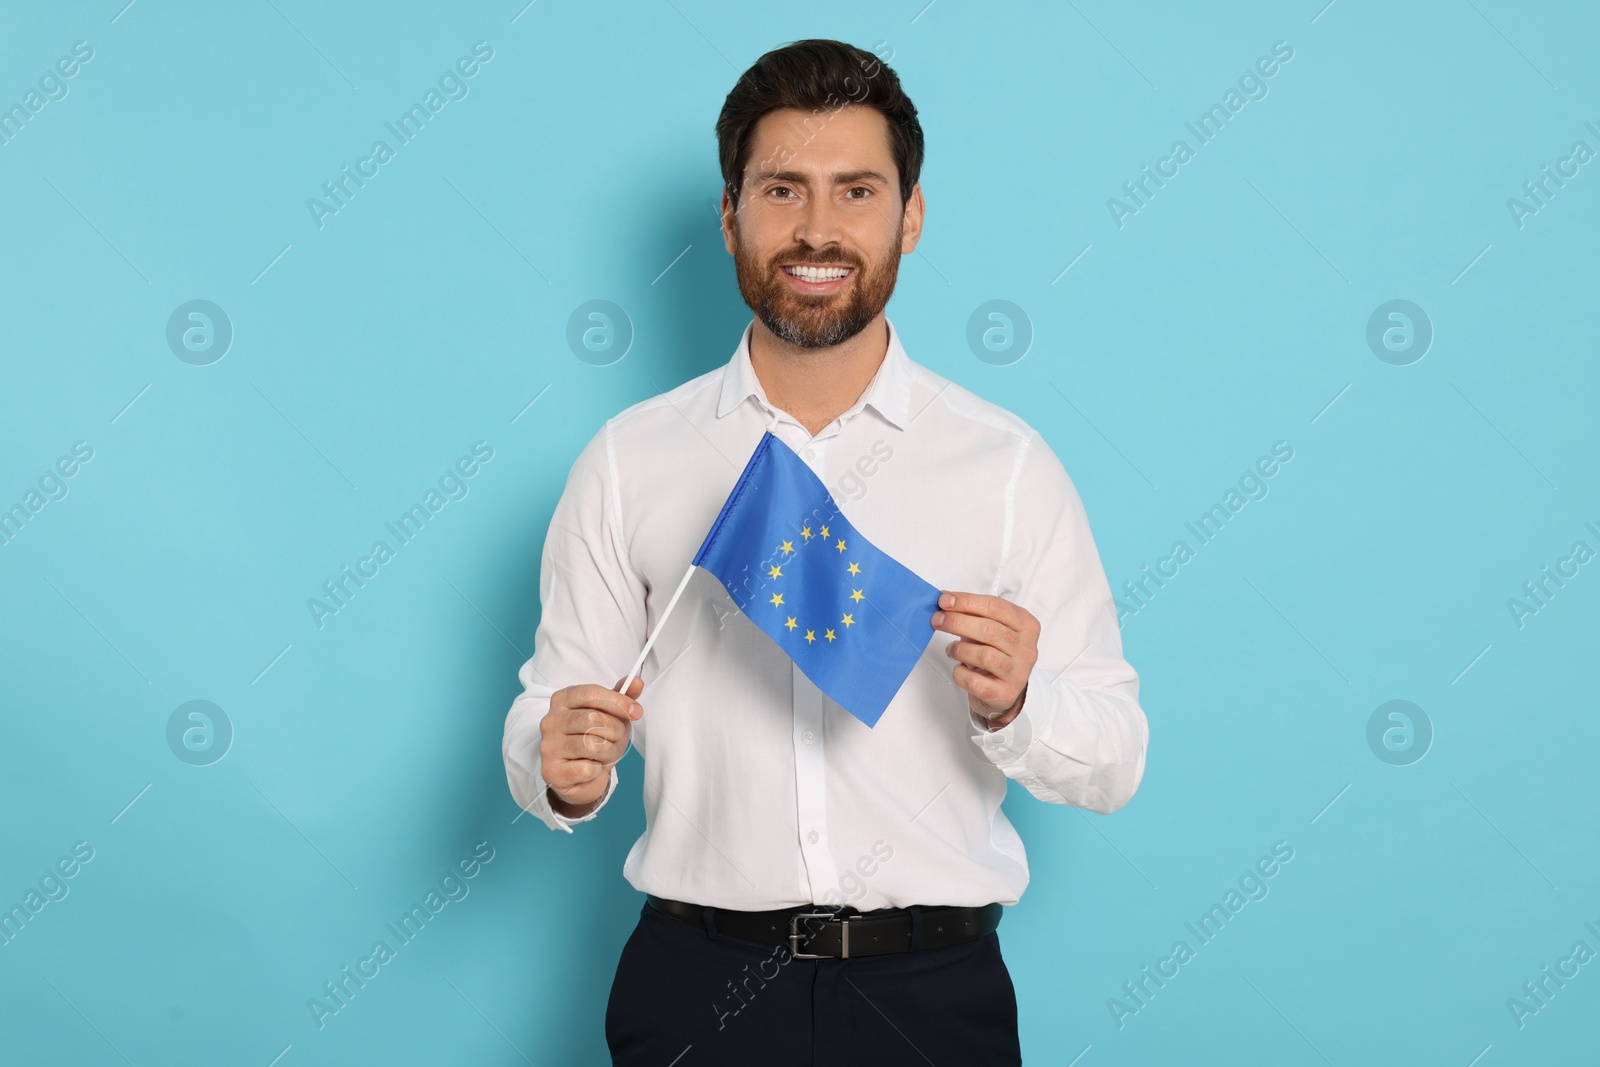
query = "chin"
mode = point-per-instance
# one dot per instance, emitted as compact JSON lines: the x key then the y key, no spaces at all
{"x":834,"y":332}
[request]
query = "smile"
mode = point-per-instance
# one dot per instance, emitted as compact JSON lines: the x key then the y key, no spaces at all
{"x":817,"y":279}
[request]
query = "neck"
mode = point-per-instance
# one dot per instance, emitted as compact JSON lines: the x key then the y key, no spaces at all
{"x":817,"y":385}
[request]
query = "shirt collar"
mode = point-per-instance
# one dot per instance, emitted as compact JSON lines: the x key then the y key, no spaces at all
{"x":889,"y":392}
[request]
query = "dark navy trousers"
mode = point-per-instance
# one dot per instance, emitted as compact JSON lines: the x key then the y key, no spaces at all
{"x":690,"y":997}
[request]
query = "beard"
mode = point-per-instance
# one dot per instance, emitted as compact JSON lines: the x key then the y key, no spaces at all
{"x":808,"y":320}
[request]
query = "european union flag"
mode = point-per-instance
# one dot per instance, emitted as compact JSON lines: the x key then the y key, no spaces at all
{"x":852,"y":619}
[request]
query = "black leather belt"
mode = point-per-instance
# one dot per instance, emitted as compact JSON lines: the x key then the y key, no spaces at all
{"x":811,"y":934}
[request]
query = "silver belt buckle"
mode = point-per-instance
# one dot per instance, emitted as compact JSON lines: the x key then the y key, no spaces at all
{"x":794,"y":935}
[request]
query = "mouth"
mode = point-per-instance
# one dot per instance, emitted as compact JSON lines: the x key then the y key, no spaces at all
{"x":814,"y":278}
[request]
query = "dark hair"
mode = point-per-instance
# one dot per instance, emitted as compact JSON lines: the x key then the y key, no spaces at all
{"x":817,"y":75}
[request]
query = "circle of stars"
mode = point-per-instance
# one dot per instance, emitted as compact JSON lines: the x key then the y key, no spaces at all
{"x":829,"y":634}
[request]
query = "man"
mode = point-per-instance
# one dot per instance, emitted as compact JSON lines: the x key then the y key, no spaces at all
{"x":764,"y":800}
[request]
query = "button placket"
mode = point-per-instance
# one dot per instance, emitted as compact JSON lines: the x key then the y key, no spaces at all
{"x":810,"y":779}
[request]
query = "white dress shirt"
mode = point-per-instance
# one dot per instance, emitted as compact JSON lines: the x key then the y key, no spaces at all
{"x":759,"y":791}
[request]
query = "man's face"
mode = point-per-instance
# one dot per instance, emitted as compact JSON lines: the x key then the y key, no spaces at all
{"x":820,"y":228}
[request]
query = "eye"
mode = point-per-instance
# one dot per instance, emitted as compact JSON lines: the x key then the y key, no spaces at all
{"x":780,"y":189}
{"x":860,"y":189}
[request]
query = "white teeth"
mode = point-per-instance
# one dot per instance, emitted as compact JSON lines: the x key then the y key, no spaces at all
{"x":818,"y":274}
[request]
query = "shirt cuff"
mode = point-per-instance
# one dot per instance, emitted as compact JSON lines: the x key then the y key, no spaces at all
{"x":557,"y":821}
{"x":1010,"y":743}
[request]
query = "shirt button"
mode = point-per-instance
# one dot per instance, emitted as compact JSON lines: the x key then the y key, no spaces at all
{"x":810,"y":453}
{"x":806,"y":737}
{"x":812,"y":837}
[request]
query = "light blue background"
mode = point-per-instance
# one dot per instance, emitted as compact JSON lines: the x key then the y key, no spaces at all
{"x":1226,"y":315}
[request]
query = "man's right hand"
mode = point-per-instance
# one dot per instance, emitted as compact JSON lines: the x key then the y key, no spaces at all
{"x":585,"y":731}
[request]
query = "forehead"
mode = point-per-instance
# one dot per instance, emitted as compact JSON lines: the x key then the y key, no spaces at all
{"x":820,"y":143}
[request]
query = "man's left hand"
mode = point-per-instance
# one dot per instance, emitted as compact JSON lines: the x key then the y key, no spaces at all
{"x":997,"y":648}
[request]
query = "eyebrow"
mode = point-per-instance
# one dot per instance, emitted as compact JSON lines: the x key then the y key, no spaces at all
{"x":843,"y":178}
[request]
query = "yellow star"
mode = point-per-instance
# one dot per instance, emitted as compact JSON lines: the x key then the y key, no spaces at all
{"x":777,"y":598}
{"x":848,"y":620}
{"x":810,"y":636}
{"x":824,"y":531}
{"x":805,"y":531}
{"x":829,"y":635}
{"x":841,"y":544}
{"x":855,"y":594}
{"x":774,"y":572}
{"x":791,"y":623}
{"x":787,"y":546}
{"x":855,"y":568}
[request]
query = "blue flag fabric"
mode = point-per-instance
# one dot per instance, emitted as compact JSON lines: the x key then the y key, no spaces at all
{"x":852,"y":618}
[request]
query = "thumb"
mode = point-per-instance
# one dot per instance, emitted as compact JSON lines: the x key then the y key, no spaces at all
{"x":634,"y":689}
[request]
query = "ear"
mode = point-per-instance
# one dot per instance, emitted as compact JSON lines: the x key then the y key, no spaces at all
{"x":729,"y":236}
{"x":911,"y":224}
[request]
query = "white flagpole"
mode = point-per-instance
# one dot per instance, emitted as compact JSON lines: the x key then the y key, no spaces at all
{"x":676,"y":593}
{"x":628,"y":681}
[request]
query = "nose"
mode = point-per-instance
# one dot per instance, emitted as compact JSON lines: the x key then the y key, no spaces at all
{"x":820,"y":223}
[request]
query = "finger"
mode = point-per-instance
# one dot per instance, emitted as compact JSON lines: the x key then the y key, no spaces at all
{"x":575,"y":772}
{"x":979,"y":628}
{"x":592,"y":743}
{"x":991,"y":691}
{"x":1003,"y":611}
{"x":983,"y":658}
{"x":635,"y":687}
{"x":600,"y":724}
{"x":590,"y":746}
{"x":600,"y":698}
